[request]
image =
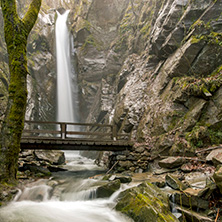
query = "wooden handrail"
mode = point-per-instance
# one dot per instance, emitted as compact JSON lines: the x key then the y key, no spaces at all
{"x":64,"y":132}
{"x":69,"y":123}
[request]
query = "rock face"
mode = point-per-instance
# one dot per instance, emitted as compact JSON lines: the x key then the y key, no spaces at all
{"x":166,"y":84}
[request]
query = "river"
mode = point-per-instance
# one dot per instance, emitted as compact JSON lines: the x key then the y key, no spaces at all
{"x":69,"y":196}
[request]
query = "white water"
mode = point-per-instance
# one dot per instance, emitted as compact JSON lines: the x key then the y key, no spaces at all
{"x":67,"y":90}
{"x":69,"y":200}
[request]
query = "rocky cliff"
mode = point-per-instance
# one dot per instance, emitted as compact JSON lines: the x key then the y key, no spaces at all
{"x":153,"y":68}
{"x":161,"y":77}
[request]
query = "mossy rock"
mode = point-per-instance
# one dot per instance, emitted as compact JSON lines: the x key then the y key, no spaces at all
{"x":108,"y":189}
{"x":145,"y":203}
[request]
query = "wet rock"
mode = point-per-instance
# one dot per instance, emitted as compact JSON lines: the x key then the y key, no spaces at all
{"x":218,"y":177}
{"x":35,"y":169}
{"x":193,"y":216}
{"x":56,"y":169}
{"x":124,"y":179}
{"x":108,"y":189}
{"x":171,"y":162}
{"x":175,"y":183}
{"x":53,"y":157}
{"x":145,"y":202}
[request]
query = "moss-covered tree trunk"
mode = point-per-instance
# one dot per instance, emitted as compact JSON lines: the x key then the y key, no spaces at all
{"x":16,"y":33}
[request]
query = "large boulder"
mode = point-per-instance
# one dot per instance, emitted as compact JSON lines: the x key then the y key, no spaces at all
{"x":145,"y":203}
{"x":190,"y":198}
{"x":52,"y":156}
{"x":171,"y":162}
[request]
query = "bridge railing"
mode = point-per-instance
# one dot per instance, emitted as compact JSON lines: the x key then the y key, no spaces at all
{"x":66,"y":130}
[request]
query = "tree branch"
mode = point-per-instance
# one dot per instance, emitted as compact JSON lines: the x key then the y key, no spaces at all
{"x":9,"y":6}
{"x":31,"y":15}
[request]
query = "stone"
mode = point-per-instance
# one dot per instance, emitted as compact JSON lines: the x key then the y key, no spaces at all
{"x":125,"y":164}
{"x":212,"y":154}
{"x":144,"y":203}
{"x":140,"y":149}
{"x":217,"y":160}
{"x":174,"y":183}
{"x":56,"y":169}
{"x":53,"y":157}
{"x":218,"y":177}
{"x":187,"y":167}
{"x":124,"y":179}
{"x":108,"y":189}
{"x":193,"y":216}
{"x":190,"y":198}
{"x":171,"y":162}
{"x":35,"y":169}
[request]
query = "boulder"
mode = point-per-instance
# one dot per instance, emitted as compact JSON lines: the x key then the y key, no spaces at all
{"x":122,"y":178}
{"x":217,"y":160}
{"x":32,"y":167}
{"x":187,"y":167}
{"x":218,"y":177}
{"x":108,"y":189}
{"x":174,"y":183}
{"x":190,"y":198}
{"x":53,"y":157}
{"x":213,"y":154}
{"x":193,"y":216}
{"x":171,"y":162}
{"x":145,"y":203}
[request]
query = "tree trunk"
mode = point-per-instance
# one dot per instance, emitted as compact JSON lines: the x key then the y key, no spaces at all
{"x":16,"y":33}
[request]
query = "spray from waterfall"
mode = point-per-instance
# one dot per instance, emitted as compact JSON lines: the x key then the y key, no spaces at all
{"x":67,"y":90}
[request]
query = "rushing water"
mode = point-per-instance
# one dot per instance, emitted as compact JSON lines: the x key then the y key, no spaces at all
{"x":68,"y":197}
{"x":67,"y":90}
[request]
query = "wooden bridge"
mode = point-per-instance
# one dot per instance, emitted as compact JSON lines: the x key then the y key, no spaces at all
{"x":73,"y":136}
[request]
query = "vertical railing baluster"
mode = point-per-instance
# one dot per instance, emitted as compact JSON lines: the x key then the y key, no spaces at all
{"x":114,"y":132}
{"x":63,"y":130}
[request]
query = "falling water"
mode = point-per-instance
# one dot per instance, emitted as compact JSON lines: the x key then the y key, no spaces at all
{"x":66,"y":91}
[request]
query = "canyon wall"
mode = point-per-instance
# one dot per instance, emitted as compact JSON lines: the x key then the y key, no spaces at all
{"x":153,"y":68}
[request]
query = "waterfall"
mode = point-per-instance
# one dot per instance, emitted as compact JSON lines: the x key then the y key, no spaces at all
{"x":67,"y":91}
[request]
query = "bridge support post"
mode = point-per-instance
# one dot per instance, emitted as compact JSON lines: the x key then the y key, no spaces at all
{"x":114,"y":132}
{"x":63,"y":130}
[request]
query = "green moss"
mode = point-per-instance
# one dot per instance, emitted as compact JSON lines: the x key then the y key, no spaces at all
{"x":201,"y":87}
{"x":91,"y":40}
{"x":145,"y":203}
{"x":203,"y":136}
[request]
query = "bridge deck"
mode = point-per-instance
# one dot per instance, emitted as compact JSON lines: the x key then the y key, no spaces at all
{"x":62,"y":139}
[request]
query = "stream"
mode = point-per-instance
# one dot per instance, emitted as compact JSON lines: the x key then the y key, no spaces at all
{"x":69,"y":196}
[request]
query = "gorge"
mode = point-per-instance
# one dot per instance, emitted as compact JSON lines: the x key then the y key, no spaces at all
{"x":151,"y":68}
